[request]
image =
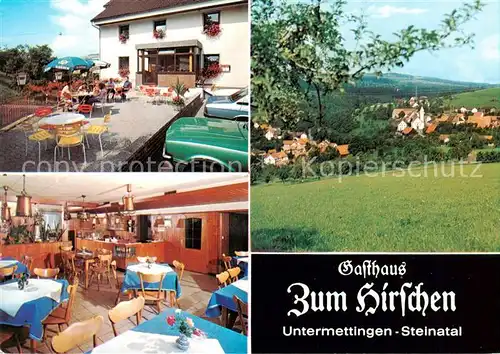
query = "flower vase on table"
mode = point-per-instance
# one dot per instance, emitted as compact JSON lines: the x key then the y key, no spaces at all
{"x":186,"y":329}
{"x":22,"y":282}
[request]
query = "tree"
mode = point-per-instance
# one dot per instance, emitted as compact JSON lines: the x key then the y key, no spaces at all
{"x":299,"y":54}
{"x":284,"y":173}
{"x":30,"y":59}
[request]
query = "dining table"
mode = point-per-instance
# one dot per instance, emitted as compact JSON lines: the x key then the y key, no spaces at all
{"x":10,"y":261}
{"x":170,"y":282}
{"x":31,"y":305}
{"x":80,"y":95}
{"x":221,"y":301}
{"x":87,"y":258}
{"x":156,"y":336}
{"x":65,"y":118}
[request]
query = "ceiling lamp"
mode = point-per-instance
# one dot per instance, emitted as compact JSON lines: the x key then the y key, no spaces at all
{"x":23,"y":207}
{"x":128,"y":201}
{"x":5,"y":207}
{"x":83,"y":215}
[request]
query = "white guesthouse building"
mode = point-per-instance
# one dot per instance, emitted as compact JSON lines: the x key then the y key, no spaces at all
{"x":127,"y":41}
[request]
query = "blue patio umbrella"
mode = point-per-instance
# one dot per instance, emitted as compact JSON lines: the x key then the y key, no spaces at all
{"x":98,"y":64}
{"x":68,"y":64}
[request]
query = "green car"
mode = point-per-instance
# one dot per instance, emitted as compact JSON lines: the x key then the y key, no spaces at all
{"x":208,"y":144}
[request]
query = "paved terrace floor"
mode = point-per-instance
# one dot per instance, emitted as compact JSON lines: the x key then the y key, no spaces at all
{"x":196,"y":291}
{"x":132,"y":123}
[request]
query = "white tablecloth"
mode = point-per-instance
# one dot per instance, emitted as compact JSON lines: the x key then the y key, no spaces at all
{"x":241,"y":284}
{"x":245,"y":259}
{"x":151,"y":343}
{"x":7,"y":263}
{"x":11,"y":298}
{"x":61,"y":119}
{"x":155,"y":268}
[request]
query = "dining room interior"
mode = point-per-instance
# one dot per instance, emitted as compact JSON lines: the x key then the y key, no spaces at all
{"x":94,"y":262}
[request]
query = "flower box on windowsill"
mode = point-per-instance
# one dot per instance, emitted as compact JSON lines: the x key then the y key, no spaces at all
{"x":123,"y":38}
{"x":158,"y":34}
{"x":213,"y":30}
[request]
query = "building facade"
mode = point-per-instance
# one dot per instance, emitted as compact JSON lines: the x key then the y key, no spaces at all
{"x":157,"y":43}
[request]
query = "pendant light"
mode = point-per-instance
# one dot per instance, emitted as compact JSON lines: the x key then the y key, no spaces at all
{"x":128,"y":201}
{"x":83,"y":215}
{"x":5,"y":207}
{"x":67,"y":214}
{"x":23,"y":207}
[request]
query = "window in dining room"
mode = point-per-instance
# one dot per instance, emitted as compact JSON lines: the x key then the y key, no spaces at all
{"x":193,"y":233}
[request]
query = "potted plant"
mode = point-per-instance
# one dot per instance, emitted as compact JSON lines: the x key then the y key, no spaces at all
{"x":123,"y":37}
{"x":158,"y":33}
{"x":212,"y":29}
{"x":124,"y":72}
{"x":185,"y":326}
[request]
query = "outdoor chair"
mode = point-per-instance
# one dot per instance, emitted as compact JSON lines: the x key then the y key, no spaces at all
{"x":102,"y":101}
{"x":39,"y":136}
{"x":223,"y":279}
{"x":98,"y":130}
{"x":242,"y":314}
{"x":125,"y":310}
{"x":62,"y":315}
{"x":151,"y":93}
{"x":69,"y":136}
{"x":77,"y":334}
{"x":157,"y":295}
{"x":42,"y":112}
{"x":85,"y":109}
{"x":46,"y":273}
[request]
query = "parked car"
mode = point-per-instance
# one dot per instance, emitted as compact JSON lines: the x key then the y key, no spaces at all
{"x":228,"y":106}
{"x":208,"y":144}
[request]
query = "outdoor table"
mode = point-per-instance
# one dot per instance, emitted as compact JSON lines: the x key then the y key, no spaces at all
{"x":61,"y":119}
{"x":81,"y":95}
{"x":241,"y":262}
{"x":10,"y":261}
{"x":222,"y":299}
{"x":156,"y":336}
{"x":31,"y":312}
{"x":170,"y":282}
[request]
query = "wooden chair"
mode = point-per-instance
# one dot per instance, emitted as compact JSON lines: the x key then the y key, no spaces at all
{"x":77,"y":334}
{"x":179,"y":268}
{"x":7,"y":272}
{"x":242,"y":314}
{"x":62,"y":315}
{"x":241,"y":253}
{"x":101,"y":268}
{"x":47,"y":273}
{"x":126,"y":310}
{"x":6,"y":334}
{"x":157,"y":295}
{"x":119,"y":284}
{"x":71,"y":271}
{"x":223,"y":279}
{"x":103,"y":251}
{"x":234,"y":273}
{"x":227,"y":261}
{"x":28,"y":262}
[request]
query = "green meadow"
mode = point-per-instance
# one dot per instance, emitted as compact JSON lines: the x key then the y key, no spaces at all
{"x":433,"y":212}
{"x":482,"y":98}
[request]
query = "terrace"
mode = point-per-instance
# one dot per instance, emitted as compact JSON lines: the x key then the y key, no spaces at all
{"x":136,"y":128}
{"x":161,"y":252}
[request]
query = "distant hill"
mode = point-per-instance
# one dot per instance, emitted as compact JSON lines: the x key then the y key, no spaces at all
{"x":486,"y":98}
{"x":393,"y":85}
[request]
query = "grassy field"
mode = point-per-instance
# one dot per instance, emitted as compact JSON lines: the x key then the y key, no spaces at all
{"x":383,"y":213}
{"x":481,"y":98}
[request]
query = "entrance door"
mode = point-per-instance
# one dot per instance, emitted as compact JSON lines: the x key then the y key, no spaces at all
{"x":238,"y":232}
{"x":194,"y":239}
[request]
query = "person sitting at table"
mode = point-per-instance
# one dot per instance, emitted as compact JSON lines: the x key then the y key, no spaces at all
{"x":111,"y":89}
{"x":100,"y":96}
{"x":82,"y":88}
{"x":67,"y":97}
{"x":127,"y":85}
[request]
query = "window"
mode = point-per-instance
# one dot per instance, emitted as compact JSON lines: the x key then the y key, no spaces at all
{"x":210,"y":18}
{"x":210,"y":59}
{"x":193,"y":233}
{"x":123,"y":30}
{"x":123,"y":63}
{"x":160,"y":25}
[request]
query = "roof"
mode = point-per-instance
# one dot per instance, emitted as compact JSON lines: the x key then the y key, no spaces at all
{"x":287,"y":142}
{"x":487,"y":137}
{"x":406,"y":111}
{"x":482,"y":122}
{"x":407,"y":131}
{"x":343,"y":149}
{"x":478,"y":114}
{"x":279,"y":155}
{"x":117,"y":8}
{"x":431,"y":128}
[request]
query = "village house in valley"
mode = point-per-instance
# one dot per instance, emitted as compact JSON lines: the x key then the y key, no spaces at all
{"x":159,"y":42}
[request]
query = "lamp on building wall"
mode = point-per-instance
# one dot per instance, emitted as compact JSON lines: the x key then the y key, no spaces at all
{"x":58,"y":75}
{"x":6,"y":217}
{"x":23,"y":207}
{"x":21,"y":78}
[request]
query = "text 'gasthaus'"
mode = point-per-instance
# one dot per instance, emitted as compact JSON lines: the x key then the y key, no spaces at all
{"x":370,"y":268}
{"x":369,"y":300}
